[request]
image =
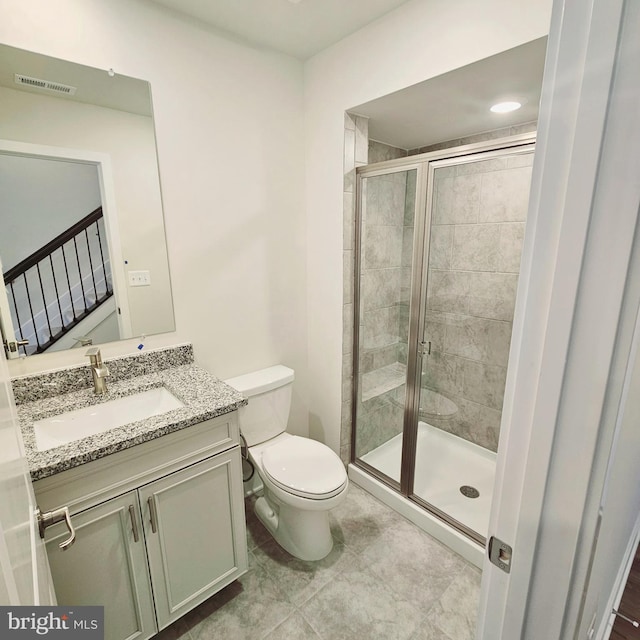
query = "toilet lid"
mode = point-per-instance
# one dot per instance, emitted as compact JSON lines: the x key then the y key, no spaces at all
{"x":305,"y":468}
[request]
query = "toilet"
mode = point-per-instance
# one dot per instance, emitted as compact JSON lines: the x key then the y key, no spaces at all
{"x":303,"y":479}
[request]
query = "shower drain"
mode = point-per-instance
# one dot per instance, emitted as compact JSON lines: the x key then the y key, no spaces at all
{"x":469,"y":492}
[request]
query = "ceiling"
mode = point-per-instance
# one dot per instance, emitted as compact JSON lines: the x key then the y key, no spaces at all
{"x":300,"y":28}
{"x":456,"y":104}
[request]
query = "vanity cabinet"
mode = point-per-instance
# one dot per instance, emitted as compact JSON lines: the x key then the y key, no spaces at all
{"x":152,"y":544}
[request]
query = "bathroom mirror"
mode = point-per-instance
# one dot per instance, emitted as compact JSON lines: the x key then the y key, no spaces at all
{"x":81,"y":222}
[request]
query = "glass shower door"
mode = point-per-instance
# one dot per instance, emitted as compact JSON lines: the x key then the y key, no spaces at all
{"x":477,"y":217}
{"x":385,"y":239}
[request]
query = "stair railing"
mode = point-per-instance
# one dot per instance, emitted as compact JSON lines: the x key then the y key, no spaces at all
{"x":61,"y":283}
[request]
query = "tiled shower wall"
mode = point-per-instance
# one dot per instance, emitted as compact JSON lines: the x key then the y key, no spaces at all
{"x":470,"y":298}
{"x":476,"y":240}
{"x":356,"y":139}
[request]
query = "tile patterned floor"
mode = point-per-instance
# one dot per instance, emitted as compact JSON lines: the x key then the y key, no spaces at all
{"x":385,"y":579}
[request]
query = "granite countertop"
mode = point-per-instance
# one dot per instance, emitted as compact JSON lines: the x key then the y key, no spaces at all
{"x":203,"y":395}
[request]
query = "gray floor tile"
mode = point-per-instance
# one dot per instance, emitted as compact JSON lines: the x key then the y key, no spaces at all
{"x":247,"y":609}
{"x":299,"y":579}
{"x":360,"y":520}
{"x":456,"y":611}
{"x":295,"y":627}
{"x":356,"y":604}
{"x":413,"y":564}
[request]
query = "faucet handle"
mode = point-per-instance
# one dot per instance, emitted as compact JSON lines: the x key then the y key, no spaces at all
{"x":93,"y":351}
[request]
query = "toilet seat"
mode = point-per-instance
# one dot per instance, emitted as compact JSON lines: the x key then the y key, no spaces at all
{"x":305,"y":468}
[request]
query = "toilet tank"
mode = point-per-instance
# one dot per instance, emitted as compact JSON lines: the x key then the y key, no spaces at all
{"x":269,"y":393}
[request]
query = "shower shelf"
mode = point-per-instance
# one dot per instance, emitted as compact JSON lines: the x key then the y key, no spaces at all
{"x":382,"y":380}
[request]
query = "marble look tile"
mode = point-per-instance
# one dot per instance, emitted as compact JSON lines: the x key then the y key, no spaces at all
{"x":360,"y":520}
{"x":440,"y":246}
{"x":466,"y":200}
{"x":505,"y":195}
{"x":479,"y":339}
{"x":484,"y":383}
{"x":435,"y":329}
{"x":407,"y":247}
{"x":521,"y":160}
{"x":348,"y":228}
{"x":349,"y":121}
{"x":443,"y":372}
{"x":253,"y":602}
{"x":362,"y":139}
{"x":457,"y":610}
{"x":510,"y":246}
{"x":301,"y":580}
{"x":482,"y":166}
{"x":294,"y":627}
{"x":347,"y":328}
{"x":448,"y":291}
{"x":385,"y":200}
{"x":475,"y":247}
{"x":525,"y":127}
{"x":442,"y":199}
{"x":379,"y":327}
{"x":383,"y":246}
{"x":347,"y":277}
{"x":380,"y":152}
{"x":492,"y":295}
{"x":349,"y":181}
{"x":380,"y":288}
{"x":410,"y":198}
{"x":349,"y":160}
{"x":420,"y":569}
{"x":357,"y":604}
{"x":477,"y":423}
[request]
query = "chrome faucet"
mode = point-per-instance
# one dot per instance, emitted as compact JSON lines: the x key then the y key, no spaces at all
{"x":99,"y":371}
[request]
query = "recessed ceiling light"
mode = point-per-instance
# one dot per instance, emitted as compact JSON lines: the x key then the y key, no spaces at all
{"x":505,"y":107}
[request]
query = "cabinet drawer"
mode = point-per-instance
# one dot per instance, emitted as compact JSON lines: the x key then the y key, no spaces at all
{"x":89,"y":484}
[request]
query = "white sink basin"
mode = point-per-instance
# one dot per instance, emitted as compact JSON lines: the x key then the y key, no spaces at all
{"x":75,"y":425}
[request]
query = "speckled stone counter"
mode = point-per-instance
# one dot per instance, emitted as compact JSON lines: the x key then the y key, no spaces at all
{"x":203,"y":395}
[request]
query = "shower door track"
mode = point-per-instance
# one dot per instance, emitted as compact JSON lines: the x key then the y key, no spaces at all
{"x":424,"y":166}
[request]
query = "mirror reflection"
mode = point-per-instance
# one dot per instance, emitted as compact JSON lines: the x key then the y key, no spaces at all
{"x":82,"y":241}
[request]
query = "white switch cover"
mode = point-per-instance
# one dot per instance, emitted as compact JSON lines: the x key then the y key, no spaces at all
{"x":139,"y":278}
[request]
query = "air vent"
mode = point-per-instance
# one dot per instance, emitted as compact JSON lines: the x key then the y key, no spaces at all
{"x":37,"y":83}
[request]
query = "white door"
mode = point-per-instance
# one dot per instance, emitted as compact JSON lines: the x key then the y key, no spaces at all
{"x":25,"y":578}
{"x":570,"y":376}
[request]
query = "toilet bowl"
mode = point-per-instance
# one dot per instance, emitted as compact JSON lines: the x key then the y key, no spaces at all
{"x":303,"y":479}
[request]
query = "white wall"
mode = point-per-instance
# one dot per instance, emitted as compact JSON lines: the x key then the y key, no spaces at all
{"x":229,"y":134}
{"x":419,"y":40}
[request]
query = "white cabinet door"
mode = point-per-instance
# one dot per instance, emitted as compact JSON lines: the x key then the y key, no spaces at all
{"x":107,"y":565}
{"x":195,"y":531}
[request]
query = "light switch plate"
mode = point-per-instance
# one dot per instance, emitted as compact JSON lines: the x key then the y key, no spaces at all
{"x":139,"y":278}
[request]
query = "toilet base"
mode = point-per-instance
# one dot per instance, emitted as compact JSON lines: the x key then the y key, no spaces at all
{"x":304,"y":534}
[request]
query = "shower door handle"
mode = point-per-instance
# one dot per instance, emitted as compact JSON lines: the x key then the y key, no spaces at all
{"x":424,"y":348}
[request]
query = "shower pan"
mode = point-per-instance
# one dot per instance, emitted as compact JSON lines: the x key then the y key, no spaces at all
{"x":438,"y":244}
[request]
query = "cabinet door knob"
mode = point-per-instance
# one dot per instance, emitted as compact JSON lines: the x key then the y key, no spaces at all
{"x":152,"y":514}
{"x":49,"y":518}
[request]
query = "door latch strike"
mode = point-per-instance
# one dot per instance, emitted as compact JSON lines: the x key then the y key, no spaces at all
{"x":500,"y":554}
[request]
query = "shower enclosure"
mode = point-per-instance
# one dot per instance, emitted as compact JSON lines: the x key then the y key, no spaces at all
{"x":438,"y":245}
